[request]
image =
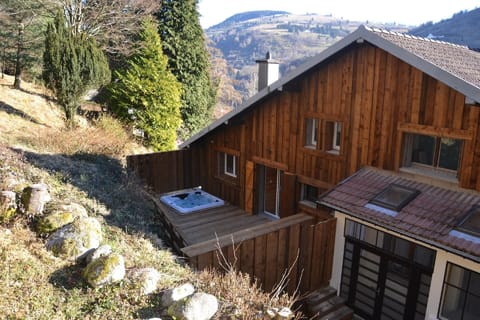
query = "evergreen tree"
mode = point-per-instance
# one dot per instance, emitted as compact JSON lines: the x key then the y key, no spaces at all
{"x":146,"y":94}
{"x":184,"y":44}
{"x":72,"y":64}
{"x":21,"y":35}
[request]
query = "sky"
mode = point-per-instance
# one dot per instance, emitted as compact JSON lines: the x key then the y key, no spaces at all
{"x":410,"y":12}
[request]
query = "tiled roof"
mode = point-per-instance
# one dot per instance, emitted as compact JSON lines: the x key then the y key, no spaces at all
{"x":429,"y":218}
{"x":455,"y":59}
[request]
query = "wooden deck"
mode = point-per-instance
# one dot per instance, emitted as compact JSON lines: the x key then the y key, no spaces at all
{"x":200,"y":226}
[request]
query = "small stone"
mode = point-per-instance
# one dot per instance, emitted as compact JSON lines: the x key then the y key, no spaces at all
{"x":105,"y":270}
{"x":35,"y":197}
{"x":199,"y":306}
{"x":285,"y":314}
{"x":144,"y":279}
{"x":173,"y":295}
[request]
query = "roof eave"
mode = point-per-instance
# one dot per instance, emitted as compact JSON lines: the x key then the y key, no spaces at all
{"x":278,"y":85}
{"x":469,"y":90}
{"x":404,"y":233}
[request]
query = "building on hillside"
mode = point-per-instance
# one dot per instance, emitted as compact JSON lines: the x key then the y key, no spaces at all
{"x":381,"y":131}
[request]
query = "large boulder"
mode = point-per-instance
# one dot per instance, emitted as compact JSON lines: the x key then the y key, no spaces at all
{"x":8,"y":205}
{"x":105,"y":270}
{"x":144,"y":279}
{"x":59,"y":215}
{"x":171,"y":296}
{"x":199,"y":306}
{"x":74,"y":240}
{"x":35,"y":197}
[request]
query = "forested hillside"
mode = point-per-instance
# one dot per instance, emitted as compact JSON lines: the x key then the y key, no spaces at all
{"x":462,"y":28}
{"x":291,"y":40}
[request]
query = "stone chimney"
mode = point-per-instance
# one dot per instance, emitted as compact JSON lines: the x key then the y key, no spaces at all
{"x":268,"y":71}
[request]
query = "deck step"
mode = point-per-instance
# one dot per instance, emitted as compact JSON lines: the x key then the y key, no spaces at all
{"x":320,"y":295}
{"x":342,"y":313}
{"x":327,"y":306}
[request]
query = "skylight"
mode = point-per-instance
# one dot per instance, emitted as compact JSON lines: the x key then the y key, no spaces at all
{"x":471,"y":222}
{"x":394,"y":197}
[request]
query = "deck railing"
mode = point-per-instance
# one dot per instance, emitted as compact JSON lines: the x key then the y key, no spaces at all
{"x":265,"y":252}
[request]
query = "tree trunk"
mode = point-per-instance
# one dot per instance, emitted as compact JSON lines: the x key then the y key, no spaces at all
{"x":18,"y":63}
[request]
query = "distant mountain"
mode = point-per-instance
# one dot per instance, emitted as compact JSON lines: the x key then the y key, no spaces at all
{"x":241,"y":17}
{"x":291,"y":39}
{"x":462,"y":28}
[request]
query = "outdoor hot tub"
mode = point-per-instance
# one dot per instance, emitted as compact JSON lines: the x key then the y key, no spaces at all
{"x":191,"y":200}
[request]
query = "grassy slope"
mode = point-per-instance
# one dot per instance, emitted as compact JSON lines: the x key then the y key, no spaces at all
{"x":86,"y":165}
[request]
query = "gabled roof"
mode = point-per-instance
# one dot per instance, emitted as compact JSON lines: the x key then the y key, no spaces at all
{"x":455,"y":65}
{"x":431,"y":217}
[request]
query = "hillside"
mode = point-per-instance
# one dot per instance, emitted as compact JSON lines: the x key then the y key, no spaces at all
{"x":86,"y":165}
{"x":462,"y":28}
{"x":291,"y":39}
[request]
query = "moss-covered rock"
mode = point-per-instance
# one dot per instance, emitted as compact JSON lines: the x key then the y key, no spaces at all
{"x":105,"y":270}
{"x":60,"y":215}
{"x":74,"y":240}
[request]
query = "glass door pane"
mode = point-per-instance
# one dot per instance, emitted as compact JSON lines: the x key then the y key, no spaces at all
{"x":367,"y":283}
{"x":395,"y":292}
{"x":271,"y":191}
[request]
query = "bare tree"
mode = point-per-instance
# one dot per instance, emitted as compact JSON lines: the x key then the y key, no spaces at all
{"x":112,"y":22}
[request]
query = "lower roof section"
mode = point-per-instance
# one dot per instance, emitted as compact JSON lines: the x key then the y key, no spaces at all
{"x":432,"y":217}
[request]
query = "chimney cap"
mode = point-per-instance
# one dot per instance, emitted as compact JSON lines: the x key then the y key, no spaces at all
{"x":268,"y":59}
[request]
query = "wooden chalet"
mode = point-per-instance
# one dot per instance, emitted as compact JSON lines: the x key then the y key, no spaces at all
{"x":343,"y":139}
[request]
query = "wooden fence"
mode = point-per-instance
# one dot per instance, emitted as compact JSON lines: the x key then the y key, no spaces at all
{"x":294,"y":243}
{"x":162,"y":171}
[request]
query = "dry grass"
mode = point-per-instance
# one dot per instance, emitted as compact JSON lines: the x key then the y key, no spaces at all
{"x":86,"y":165}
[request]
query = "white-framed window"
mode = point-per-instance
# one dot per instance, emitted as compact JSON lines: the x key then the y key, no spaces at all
{"x":227,"y":165}
{"x":333,"y":136}
{"x":460,"y":294}
{"x":337,"y":136}
{"x":311,"y":132}
{"x":230,"y":165}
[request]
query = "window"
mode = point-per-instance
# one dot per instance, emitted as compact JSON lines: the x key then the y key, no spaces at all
{"x":333,"y":136}
{"x":471,"y":222}
{"x":394,"y":197}
{"x":311,"y":132}
{"x":460,"y":294}
{"x":435,"y":152}
{"x":227,"y":164}
{"x":309,"y":193}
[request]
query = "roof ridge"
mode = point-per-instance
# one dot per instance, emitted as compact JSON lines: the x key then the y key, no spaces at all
{"x":410,"y":36}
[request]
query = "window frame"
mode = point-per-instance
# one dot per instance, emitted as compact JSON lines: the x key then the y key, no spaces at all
{"x":304,"y":193}
{"x":465,"y":226}
{"x":409,"y":150}
{"x":311,"y":133}
{"x":463,"y":290}
{"x":413,"y":193}
{"x":234,"y":165}
{"x":337,"y":136}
